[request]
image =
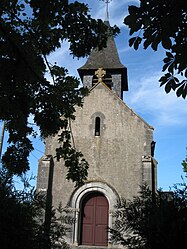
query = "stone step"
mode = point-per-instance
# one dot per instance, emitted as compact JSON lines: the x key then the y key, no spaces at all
{"x":90,"y":247}
{"x":94,"y":247}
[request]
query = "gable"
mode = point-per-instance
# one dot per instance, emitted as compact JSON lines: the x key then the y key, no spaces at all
{"x":101,"y":95}
{"x":119,"y":125}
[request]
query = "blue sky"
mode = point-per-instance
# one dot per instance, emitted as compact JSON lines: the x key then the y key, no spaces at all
{"x":165,"y":112}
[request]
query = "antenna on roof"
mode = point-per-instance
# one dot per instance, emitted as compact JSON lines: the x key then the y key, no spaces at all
{"x":107,"y":12}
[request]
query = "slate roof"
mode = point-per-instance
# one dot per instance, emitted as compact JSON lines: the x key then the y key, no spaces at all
{"x":107,"y":58}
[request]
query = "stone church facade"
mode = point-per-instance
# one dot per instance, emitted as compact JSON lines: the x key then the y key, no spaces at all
{"x":116,"y":142}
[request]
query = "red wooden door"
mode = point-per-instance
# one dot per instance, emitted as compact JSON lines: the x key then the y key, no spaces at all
{"x":95,"y":220}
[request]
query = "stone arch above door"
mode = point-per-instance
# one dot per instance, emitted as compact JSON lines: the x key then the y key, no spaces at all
{"x":76,"y":202}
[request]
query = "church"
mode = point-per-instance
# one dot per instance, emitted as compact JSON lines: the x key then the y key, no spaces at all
{"x":116,"y":142}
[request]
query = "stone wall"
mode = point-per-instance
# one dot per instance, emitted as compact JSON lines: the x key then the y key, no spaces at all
{"x":119,"y":156}
{"x":114,"y":157}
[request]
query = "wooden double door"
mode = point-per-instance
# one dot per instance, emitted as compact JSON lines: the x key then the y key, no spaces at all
{"x":94,"y":222}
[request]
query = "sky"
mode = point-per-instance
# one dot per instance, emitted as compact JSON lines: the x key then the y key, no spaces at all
{"x":165,"y":112}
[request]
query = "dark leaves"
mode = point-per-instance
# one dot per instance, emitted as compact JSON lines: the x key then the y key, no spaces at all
{"x":144,"y":223}
{"x":131,"y":41}
{"x":163,"y":22}
{"x":169,"y":63}
{"x":172,"y":83}
{"x":155,"y":42}
{"x":182,"y":89}
{"x":22,"y":223}
{"x":75,"y":163}
{"x":135,"y":41}
{"x":133,"y":10}
{"x":25,"y":42}
{"x":166,"y":42}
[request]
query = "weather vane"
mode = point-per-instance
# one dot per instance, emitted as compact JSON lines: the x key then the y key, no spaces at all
{"x":107,"y":12}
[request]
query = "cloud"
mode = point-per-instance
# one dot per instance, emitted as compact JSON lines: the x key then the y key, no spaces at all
{"x":98,"y":10}
{"x":117,"y":10}
{"x":124,"y":50}
{"x":144,"y":95}
{"x":59,"y":53}
{"x":147,"y":97}
{"x":63,"y":58}
{"x":120,"y":8}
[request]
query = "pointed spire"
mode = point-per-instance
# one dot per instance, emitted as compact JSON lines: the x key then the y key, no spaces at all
{"x":107,"y":59}
{"x":107,"y":11}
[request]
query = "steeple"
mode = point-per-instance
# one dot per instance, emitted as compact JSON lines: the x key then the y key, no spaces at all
{"x":108,"y":59}
{"x":107,"y":12}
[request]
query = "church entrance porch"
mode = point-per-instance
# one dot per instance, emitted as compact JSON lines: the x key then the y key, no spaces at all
{"x":89,"y":198}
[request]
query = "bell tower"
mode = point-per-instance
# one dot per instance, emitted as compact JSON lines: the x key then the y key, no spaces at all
{"x":107,"y":59}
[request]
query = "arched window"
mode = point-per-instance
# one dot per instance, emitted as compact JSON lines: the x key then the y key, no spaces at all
{"x":97,"y":126}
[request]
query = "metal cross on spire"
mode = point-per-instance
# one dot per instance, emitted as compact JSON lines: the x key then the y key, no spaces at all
{"x":107,"y":12}
{"x":100,"y":73}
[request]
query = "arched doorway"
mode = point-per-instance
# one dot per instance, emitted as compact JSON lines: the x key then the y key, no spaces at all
{"x":94,"y":220}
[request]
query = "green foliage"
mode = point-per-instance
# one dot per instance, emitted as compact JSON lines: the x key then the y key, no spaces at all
{"x":22,"y":222}
{"x":184,"y":164}
{"x":163,"y":22}
{"x":151,"y":223}
{"x":29,"y":31}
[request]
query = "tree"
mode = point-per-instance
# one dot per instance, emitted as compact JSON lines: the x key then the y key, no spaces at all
{"x":163,"y":22}
{"x":184,"y":164}
{"x":145,"y":223}
{"x":29,"y":31}
{"x":22,"y":223}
